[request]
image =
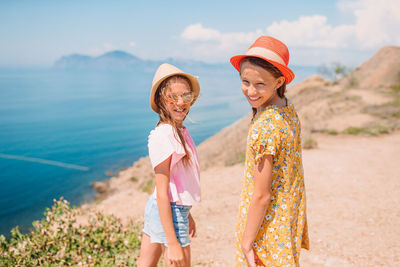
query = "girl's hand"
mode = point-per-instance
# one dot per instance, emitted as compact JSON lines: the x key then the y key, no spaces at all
{"x":175,"y":255}
{"x":192,"y":226}
{"x":251,"y":257}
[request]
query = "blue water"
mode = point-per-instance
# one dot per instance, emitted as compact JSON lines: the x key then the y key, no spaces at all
{"x":98,"y":120}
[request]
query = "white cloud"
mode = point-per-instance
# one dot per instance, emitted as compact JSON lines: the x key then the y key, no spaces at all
{"x":196,"y":32}
{"x":211,"y":44}
{"x":375,"y":24}
{"x":311,"y":31}
{"x":132,"y":44}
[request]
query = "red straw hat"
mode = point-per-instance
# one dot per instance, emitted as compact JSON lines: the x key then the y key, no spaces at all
{"x":271,"y":50}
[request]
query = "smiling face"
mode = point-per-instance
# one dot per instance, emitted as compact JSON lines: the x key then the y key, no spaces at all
{"x":259,"y":85}
{"x":177,"y":99}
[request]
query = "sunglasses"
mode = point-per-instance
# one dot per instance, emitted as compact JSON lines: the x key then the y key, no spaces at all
{"x":187,"y":97}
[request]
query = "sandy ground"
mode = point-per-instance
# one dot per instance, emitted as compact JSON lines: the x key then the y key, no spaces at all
{"x":353,"y":205}
{"x":353,"y":198}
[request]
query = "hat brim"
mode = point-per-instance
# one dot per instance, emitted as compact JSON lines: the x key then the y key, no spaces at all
{"x":286,"y":72}
{"x":194,"y":83}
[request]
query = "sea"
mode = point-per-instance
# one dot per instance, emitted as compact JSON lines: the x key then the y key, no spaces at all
{"x":61,"y":130}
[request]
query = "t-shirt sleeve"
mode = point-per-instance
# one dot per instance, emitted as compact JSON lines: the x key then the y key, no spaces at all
{"x":265,"y":138}
{"x":162,"y":143}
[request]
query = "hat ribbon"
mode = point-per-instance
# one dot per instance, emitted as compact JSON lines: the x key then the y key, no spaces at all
{"x":265,"y":53}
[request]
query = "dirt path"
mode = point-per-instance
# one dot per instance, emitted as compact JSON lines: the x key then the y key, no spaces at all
{"x":353,"y":198}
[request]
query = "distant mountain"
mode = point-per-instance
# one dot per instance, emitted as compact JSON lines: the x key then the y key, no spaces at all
{"x":119,"y":55}
{"x":74,"y":60}
{"x":122,"y":61}
{"x":114,"y":60}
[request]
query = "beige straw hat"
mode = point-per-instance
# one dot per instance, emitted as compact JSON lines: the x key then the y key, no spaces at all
{"x":165,"y":71}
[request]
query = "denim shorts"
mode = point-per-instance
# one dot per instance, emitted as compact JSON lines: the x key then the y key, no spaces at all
{"x":153,"y":226}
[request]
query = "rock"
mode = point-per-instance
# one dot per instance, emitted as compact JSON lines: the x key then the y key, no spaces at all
{"x":101,"y":187}
{"x":315,"y":78}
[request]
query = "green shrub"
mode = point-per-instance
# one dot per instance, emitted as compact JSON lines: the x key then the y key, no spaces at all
{"x":352,"y":81}
{"x":395,"y":88}
{"x":332,"y":132}
{"x":396,"y":102}
{"x":57,"y":240}
{"x":134,"y":179}
{"x":310,"y":143}
{"x":148,"y":186}
{"x":354,"y":130}
{"x":380,"y":129}
{"x":335,"y":71}
{"x":238,"y":158}
{"x":325,"y":131}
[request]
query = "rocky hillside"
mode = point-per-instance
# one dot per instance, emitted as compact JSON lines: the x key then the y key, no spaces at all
{"x":367,"y":100}
{"x":381,"y":70}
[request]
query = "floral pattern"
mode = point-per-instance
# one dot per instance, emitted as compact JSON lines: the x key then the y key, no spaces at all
{"x":276,"y":131}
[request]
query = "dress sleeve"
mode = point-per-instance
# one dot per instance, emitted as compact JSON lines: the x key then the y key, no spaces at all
{"x":162,"y":143}
{"x":265,"y":138}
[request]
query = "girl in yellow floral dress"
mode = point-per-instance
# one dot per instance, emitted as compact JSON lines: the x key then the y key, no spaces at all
{"x":272,"y":223}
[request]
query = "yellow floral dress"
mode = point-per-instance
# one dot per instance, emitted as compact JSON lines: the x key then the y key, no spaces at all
{"x":276,"y":131}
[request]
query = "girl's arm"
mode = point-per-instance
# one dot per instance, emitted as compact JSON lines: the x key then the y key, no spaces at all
{"x":258,"y":206}
{"x":175,"y":251}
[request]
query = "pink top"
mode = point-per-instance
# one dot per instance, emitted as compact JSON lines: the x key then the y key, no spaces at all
{"x":184,"y":180}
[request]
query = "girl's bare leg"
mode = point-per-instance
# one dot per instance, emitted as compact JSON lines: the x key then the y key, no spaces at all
{"x":149,"y":252}
{"x":186,"y":253}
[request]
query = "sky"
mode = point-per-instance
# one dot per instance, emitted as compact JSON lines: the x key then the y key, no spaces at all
{"x":37,"y":33}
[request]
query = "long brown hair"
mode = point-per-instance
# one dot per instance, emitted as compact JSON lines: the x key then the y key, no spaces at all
{"x":165,"y":116}
{"x":271,"y":69}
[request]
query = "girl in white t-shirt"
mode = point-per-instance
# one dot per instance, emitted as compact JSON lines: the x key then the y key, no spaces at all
{"x":168,"y":223}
